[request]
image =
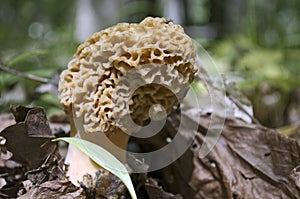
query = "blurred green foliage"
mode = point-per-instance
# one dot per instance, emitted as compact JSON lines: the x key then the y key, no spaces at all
{"x":255,"y":43}
{"x":268,"y":76}
{"x":36,"y":38}
{"x":274,"y":23}
{"x":265,"y":56}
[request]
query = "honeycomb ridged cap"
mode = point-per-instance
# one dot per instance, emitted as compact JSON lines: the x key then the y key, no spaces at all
{"x":94,"y":85}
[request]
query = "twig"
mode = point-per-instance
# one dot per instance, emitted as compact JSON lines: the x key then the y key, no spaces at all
{"x":24,"y":75}
{"x":240,"y":106}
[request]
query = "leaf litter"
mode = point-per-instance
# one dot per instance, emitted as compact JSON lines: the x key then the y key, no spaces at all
{"x":248,"y":161}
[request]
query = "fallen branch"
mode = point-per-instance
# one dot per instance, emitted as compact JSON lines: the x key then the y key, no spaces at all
{"x":25,"y":75}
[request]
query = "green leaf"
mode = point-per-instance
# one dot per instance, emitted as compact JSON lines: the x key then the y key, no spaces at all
{"x":104,"y":159}
{"x":25,"y":56}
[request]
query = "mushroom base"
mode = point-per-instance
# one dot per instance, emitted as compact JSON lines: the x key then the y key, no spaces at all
{"x":79,"y":164}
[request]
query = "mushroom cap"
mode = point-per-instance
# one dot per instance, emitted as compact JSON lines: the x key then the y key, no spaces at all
{"x":124,"y":70}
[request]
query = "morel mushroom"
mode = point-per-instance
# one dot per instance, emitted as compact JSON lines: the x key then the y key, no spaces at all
{"x":93,"y":86}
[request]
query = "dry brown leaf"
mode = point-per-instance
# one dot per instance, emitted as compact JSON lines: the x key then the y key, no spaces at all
{"x":248,"y":161}
{"x":55,"y":189}
{"x":34,"y":156}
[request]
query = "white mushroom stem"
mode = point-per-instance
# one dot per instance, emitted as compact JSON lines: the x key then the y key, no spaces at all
{"x":79,"y":164}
